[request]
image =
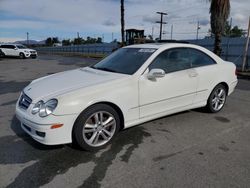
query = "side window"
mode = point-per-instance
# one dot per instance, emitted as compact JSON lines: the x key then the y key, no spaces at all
{"x":12,"y":47}
{"x":8,"y":46}
{"x":199,"y":58}
{"x":172,"y":60}
{"x":3,"y":46}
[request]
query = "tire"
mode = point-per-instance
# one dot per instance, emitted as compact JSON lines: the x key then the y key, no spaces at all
{"x":21,"y":56}
{"x":95,"y":127}
{"x":217,"y":99}
{"x":2,"y":54}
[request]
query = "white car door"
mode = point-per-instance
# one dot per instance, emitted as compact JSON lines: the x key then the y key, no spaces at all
{"x":9,"y":50}
{"x":14,"y":50}
{"x":175,"y":90}
{"x":207,"y":68}
{"x":6,"y":49}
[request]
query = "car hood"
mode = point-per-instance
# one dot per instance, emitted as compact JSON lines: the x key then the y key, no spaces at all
{"x":63,"y":82}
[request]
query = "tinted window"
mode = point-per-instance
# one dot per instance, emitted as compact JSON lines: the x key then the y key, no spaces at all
{"x":199,"y":58}
{"x":8,"y":46}
{"x":4,"y":46}
{"x":21,"y":46}
{"x":172,"y":60}
{"x":125,"y":60}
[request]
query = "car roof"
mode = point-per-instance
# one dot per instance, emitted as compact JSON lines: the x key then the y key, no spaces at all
{"x":162,"y":45}
{"x":10,"y":44}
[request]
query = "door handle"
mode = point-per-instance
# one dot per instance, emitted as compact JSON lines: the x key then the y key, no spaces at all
{"x":192,"y":73}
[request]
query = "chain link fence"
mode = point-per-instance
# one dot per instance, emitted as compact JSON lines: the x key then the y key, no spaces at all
{"x":232,"y":48}
{"x":91,"y":50}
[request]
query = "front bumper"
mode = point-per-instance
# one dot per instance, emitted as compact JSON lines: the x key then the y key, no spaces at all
{"x":27,"y":55}
{"x":42,"y":132}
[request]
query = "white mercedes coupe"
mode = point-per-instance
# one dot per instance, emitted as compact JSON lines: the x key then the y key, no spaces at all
{"x":89,"y":106}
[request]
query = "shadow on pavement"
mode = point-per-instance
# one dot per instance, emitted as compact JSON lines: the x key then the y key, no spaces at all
{"x":53,"y":160}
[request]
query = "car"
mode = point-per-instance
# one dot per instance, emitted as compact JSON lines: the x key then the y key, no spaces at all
{"x":135,"y":84}
{"x":17,"y":50}
{"x":1,"y":53}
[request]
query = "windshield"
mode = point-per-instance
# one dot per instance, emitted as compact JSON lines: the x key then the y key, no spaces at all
{"x":125,"y":60}
{"x":21,"y":46}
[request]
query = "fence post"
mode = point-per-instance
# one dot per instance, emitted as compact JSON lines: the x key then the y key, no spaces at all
{"x":246,"y":48}
{"x":228,"y":39}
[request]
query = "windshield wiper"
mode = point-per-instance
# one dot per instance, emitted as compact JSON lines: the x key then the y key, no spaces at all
{"x":103,"y":68}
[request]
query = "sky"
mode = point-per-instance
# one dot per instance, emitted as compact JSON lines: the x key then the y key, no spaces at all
{"x":101,"y":18}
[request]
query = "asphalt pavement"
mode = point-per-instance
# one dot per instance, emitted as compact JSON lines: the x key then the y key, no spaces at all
{"x":188,"y":149}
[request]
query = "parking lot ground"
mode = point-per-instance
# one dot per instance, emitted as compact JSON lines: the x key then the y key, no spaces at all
{"x":189,"y":149}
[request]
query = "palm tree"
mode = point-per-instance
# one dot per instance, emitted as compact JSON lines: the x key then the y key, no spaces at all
{"x":219,"y":10}
{"x":122,"y":22}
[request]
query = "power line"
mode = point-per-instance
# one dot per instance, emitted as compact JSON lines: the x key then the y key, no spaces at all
{"x":172,"y":29}
{"x":197,"y":30}
{"x":27,"y":38}
{"x":161,"y":22}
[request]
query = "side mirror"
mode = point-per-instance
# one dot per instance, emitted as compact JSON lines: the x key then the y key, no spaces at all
{"x":15,"y":48}
{"x":156,"y":73}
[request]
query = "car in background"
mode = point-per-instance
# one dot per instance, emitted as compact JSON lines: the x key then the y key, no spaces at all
{"x":17,"y":50}
{"x":135,"y":84}
{"x":1,"y":53}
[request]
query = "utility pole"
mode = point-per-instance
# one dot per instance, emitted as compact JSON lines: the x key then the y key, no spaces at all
{"x":152,"y":32}
{"x":27,"y":38}
{"x":197,"y":32}
{"x":246,"y":48}
{"x":78,"y":38}
{"x":122,"y":23}
{"x":112,"y":36}
{"x":172,"y":29}
{"x":228,"y":37}
{"x":161,"y":22}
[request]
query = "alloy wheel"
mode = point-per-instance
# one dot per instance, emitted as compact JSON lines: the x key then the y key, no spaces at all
{"x":99,"y":128}
{"x":218,"y":99}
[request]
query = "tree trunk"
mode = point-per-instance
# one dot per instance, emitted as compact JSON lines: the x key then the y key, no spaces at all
{"x":122,"y":23}
{"x":217,"y":47}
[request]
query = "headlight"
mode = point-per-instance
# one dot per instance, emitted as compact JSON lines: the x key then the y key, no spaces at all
{"x":37,"y":107}
{"x":26,"y":51}
{"x":44,"y":109}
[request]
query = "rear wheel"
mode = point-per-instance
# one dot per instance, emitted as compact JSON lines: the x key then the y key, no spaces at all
{"x":217,"y":99}
{"x":21,"y":55}
{"x":96,"y":127}
{"x":2,"y":54}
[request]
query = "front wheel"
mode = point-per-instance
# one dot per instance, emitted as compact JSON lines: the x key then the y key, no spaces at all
{"x":21,"y":56}
{"x":217,"y":99}
{"x":2,"y":54}
{"x":96,"y":127}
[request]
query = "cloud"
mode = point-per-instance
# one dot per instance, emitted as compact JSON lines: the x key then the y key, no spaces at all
{"x":150,"y":18}
{"x":96,"y":17}
{"x":109,"y":23}
{"x":204,"y":22}
{"x":9,"y":39}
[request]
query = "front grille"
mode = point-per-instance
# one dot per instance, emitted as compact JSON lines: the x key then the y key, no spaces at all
{"x":41,"y":134}
{"x":27,"y":128}
{"x":24,"y":101}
